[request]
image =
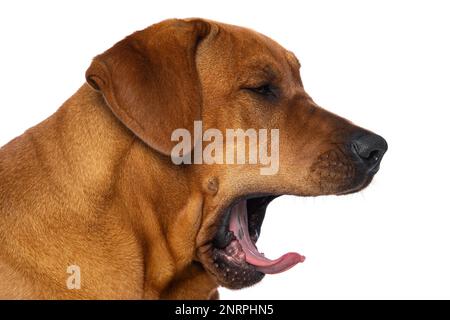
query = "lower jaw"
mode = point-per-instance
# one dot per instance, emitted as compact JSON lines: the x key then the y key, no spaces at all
{"x":234,"y":274}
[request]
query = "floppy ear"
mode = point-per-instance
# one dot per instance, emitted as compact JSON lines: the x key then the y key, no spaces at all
{"x":150,"y":80}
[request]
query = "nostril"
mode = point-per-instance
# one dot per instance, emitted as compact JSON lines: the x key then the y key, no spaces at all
{"x":374,"y":156}
{"x":370,"y":148}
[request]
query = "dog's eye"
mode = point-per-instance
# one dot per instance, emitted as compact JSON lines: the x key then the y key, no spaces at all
{"x":265,"y":90}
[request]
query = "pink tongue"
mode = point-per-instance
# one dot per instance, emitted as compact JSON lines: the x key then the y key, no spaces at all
{"x":239,"y":226}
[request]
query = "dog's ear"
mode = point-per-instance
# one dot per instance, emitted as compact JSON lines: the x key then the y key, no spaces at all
{"x":150,"y":80}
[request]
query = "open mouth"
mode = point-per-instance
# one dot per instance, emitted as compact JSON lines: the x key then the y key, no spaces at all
{"x":237,"y":260}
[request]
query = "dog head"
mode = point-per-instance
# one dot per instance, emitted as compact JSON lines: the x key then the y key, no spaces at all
{"x":171,"y":74}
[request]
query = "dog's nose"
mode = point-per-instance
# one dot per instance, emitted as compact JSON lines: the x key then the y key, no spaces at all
{"x":370,"y":148}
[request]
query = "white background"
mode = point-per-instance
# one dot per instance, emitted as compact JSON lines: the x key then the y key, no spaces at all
{"x":383,"y":64}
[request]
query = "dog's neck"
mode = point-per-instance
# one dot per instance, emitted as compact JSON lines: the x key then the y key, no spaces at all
{"x":121,"y":176}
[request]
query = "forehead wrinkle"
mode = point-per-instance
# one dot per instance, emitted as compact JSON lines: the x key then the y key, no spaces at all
{"x":263,"y":67}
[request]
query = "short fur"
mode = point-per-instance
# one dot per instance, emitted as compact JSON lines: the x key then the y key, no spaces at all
{"x":93,"y":185}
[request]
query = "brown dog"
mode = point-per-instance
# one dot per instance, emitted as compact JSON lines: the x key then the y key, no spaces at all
{"x":94,"y":186}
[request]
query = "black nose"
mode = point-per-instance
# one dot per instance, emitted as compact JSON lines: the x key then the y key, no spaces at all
{"x":370,"y":148}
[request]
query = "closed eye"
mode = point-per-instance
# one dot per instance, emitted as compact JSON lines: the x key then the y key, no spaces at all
{"x":266,"y":90}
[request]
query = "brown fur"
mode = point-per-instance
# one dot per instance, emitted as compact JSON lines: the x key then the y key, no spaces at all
{"x":93,"y":186}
